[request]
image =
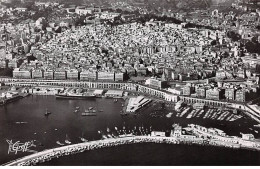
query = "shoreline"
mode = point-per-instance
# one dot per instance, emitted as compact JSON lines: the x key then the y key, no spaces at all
{"x":135,"y":87}
{"x":47,"y":155}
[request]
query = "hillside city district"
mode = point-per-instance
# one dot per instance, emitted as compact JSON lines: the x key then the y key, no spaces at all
{"x":206,"y":67}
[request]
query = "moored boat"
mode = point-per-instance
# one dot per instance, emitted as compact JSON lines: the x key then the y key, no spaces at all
{"x":88,"y":114}
{"x":67,"y":140}
{"x":47,"y":113}
{"x":169,"y":115}
{"x":75,"y":96}
{"x":59,"y":143}
{"x":83,"y":139}
{"x":257,"y":125}
{"x":104,"y":137}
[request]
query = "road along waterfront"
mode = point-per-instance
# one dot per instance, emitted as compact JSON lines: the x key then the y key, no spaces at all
{"x":136,"y":87}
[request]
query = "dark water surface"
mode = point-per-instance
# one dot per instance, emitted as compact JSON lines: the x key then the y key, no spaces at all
{"x":160,"y":154}
{"x":63,"y":121}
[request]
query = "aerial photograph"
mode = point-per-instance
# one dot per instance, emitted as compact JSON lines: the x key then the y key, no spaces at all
{"x":130,"y":83}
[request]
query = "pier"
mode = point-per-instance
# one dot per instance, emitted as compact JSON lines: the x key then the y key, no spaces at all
{"x":134,"y":104}
{"x":49,"y":154}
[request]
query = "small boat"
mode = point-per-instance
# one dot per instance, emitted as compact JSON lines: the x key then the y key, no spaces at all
{"x":21,"y":122}
{"x":67,"y":140}
{"x":90,"y":108}
{"x":88,"y":114}
{"x":76,"y":111}
{"x":83,"y":139}
{"x":101,"y":110}
{"x":257,"y":125}
{"x":59,"y":143}
{"x":47,"y":113}
{"x":250,"y":129}
{"x":77,"y":107}
{"x":56,"y":129}
{"x":169,"y":115}
{"x":104,"y":137}
{"x":256,"y":131}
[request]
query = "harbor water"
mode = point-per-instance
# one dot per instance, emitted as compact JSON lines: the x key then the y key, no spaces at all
{"x":64,"y":122}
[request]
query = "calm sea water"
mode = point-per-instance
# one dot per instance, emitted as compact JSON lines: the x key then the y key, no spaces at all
{"x":63,"y":121}
{"x":160,"y":154}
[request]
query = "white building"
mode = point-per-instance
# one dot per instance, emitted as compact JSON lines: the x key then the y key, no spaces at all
{"x":157,"y":133}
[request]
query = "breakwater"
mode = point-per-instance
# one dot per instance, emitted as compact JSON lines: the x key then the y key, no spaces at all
{"x":49,"y":154}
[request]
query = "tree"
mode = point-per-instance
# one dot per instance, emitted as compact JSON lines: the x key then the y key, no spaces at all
{"x":253,"y":47}
{"x":233,"y":35}
{"x":80,"y":20}
{"x":213,"y":43}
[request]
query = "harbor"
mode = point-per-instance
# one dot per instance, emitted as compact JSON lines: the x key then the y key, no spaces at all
{"x":32,"y":124}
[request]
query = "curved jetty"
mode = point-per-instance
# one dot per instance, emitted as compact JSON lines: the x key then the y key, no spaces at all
{"x":49,"y":154}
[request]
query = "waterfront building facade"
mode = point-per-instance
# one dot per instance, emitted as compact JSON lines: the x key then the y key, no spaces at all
{"x":48,"y":74}
{"x":21,"y":73}
{"x":37,"y":74}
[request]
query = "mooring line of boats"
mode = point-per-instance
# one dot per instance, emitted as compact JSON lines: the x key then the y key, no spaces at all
{"x":21,"y":122}
{"x":87,"y":112}
{"x":253,"y":130}
{"x":67,"y":141}
{"x":213,"y":114}
{"x":113,"y":134}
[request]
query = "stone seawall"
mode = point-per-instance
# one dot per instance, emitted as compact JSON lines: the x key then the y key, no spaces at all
{"x":47,"y":155}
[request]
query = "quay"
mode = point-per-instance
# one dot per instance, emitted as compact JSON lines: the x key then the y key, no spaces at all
{"x":135,"y":104}
{"x":49,"y":154}
{"x":12,"y":97}
{"x":248,"y":109}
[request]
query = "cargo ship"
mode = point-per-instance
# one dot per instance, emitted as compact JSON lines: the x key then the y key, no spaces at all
{"x":75,"y":96}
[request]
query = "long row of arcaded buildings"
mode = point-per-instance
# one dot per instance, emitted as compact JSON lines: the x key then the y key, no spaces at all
{"x":70,"y":74}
